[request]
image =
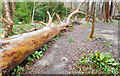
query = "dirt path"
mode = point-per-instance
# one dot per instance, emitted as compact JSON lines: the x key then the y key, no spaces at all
{"x":63,"y":54}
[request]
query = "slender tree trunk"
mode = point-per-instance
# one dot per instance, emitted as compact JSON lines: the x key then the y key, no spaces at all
{"x":87,"y":11}
{"x":116,"y":5}
{"x":90,"y":12}
{"x":13,"y":8}
{"x":114,"y":13}
{"x":71,"y":6}
{"x":111,"y":9}
{"x":8,"y":23}
{"x":106,"y":11}
{"x":102,"y":10}
{"x":93,"y":24}
{"x":33,"y":13}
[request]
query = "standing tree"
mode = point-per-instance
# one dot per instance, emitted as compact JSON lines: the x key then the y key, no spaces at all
{"x":102,"y":12}
{"x":13,"y":8}
{"x":114,"y":13}
{"x":111,"y":8}
{"x":116,"y":5}
{"x":8,"y":23}
{"x":90,"y":12}
{"x":87,"y":11}
{"x":34,"y":10}
{"x":93,"y":23}
{"x":106,"y":11}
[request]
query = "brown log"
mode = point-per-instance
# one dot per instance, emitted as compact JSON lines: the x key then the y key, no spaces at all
{"x":15,"y":49}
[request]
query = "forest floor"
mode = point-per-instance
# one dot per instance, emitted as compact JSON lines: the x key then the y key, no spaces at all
{"x":63,"y":54}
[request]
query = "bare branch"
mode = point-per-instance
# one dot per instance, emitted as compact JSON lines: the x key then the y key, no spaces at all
{"x":79,"y":6}
{"x":42,"y":23}
{"x":58,"y":18}
{"x":73,"y":14}
{"x":50,"y":18}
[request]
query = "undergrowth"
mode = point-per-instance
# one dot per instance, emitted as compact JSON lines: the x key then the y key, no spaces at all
{"x":97,"y":63}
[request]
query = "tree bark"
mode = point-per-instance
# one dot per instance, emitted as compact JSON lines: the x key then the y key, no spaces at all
{"x":33,"y":13}
{"x":111,"y":9}
{"x":8,"y":23}
{"x":102,"y":10}
{"x":87,"y":11}
{"x":114,"y":13}
{"x":116,"y":5}
{"x":93,"y":24}
{"x":90,"y":12}
{"x":106,"y":11}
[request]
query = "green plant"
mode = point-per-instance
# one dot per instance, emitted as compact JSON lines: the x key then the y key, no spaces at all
{"x":81,"y":43}
{"x":47,"y":64}
{"x":37,"y":54}
{"x":18,"y":70}
{"x":70,"y":38}
{"x":54,"y":39}
{"x":45,"y":47}
{"x":99,"y":63}
{"x":30,"y":59}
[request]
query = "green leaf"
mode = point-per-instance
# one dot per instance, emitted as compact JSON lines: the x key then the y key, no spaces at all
{"x":40,"y":52}
{"x":37,"y":57}
{"x":14,"y":70}
{"x":79,"y":72}
{"x":115,"y":64}
{"x":82,"y":43}
{"x":18,"y":67}
{"x":102,"y":56}
{"x":103,"y":63}
{"x":36,"y":52}
{"x":23,"y":70}
{"x":70,"y":38}
{"x":33,"y":55}
{"x":110,"y":60}
{"x":96,"y":54}
{"x":41,"y":55}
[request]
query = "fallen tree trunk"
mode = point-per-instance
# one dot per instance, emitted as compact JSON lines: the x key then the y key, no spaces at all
{"x":15,"y":49}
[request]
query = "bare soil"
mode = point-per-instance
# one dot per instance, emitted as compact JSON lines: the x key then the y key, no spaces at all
{"x":62,"y":56}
